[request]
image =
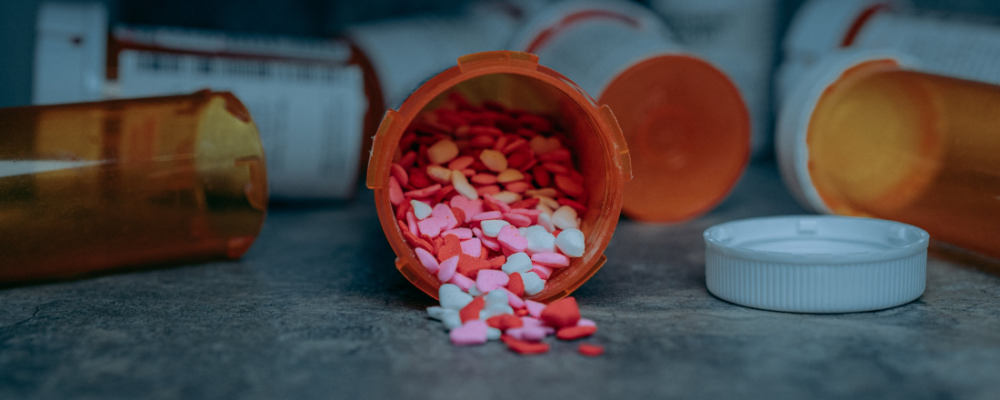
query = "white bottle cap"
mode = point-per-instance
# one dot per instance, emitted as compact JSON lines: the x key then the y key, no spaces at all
{"x":816,"y":264}
{"x":797,"y":111}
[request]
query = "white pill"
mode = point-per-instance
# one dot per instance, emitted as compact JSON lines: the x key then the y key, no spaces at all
{"x":510,"y":175}
{"x":474,"y":291}
{"x":495,"y":298}
{"x":462,"y":185}
{"x":570,"y":242}
{"x":439,"y":173}
{"x":486,"y":313}
{"x":532,"y":283}
{"x":545,"y":221}
{"x":452,"y":321}
{"x":517,"y":262}
{"x":491,"y":227}
{"x":493,"y":333}
{"x":442,"y":151}
{"x":564,"y":218}
{"x":507,"y":197}
{"x":453,"y":297}
{"x":421,"y":210}
{"x":540,"y":240}
{"x":494,"y":160}
{"x":548,"y":202}
{"x":437,"y":312}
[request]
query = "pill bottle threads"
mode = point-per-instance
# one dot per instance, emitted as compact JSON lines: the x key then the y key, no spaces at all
{"x":312,"y":99}
{"x":684,"y":118}
{"x":893,"y":142}
{"x":740,"y":36}
{"x":97,"y":186}
{"x":517,"y":81}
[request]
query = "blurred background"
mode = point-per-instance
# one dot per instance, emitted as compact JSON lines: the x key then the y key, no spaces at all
{"x":288,"y":17}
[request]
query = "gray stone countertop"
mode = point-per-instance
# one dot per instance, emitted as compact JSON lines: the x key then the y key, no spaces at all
{"x":317,"y":310}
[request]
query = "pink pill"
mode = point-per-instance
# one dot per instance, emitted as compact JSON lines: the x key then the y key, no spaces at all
{"x":447,"y":269}
{"x":555,"y":260}
{"x":516,"y":333}
{"x":534,"y":308}
{"x":443,"y":211}
{"x":511,"y":240}
{"x":399,"y":173}
{"x":425,"y":192}
{"x":462,"y":281}
{"x":461,"y":233}
{"x":427,"y":260}
{"x":432,"y":226}
{"x":518,"y":220}
{"x":395,"y":192}
{"x":503,"y":207}
{"x":531,"y":321}
{"x":585,"y":322}
{"x":533,"y":333}
{"x":490,"y":243}
{"x":542,"y":271}
{"x":513,"y":300}
{"x":472,"y":247}
{"x":489,"y":279}
{"x":487,"y":215}
{"x":471,"y":333}
{"x":411,"y":222}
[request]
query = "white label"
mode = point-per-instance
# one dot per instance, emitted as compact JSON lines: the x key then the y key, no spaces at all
{"x":310,"y":115}
{"x":739,"y":36}
{"x":407,"y":52}
{"x":953,"y":48}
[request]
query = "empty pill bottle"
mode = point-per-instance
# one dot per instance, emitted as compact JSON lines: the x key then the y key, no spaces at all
{"x":871,"y":133}
{"x":313,"y":99}
{"x":684,"y":119}
{"x":739,"y":36}
{"x":92,"y":187}
{"x":515,"y":80}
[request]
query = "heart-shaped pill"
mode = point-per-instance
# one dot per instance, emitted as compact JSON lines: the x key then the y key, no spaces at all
{"x":489,"y":280}
{"x":470,"y":333}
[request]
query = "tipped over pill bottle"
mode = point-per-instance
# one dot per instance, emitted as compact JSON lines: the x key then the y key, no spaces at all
{"x":91,"y":187}
{"x":312,"y":99}
{"x":684,"y":119}
{"x":515,"y":82}
{"x":873,"y":133}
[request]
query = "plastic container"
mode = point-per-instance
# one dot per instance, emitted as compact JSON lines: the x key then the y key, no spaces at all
{"x":816,"y":264}
{"x":516,"y":80}
{"x":684,"y":118}
{"x":871,"y":133}
{"x":96,"y":186}
{"x":311,"y":98}
{"x":740,"y":36}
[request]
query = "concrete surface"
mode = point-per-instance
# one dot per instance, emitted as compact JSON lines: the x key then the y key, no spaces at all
{"x":316,"y":310}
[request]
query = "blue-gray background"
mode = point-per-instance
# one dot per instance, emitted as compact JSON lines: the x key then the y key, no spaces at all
{"x":295,"y":17}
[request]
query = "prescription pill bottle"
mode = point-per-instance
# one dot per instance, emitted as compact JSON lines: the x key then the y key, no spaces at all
{"x":515,"y":80}
{"x":312,"y":99}
{"x":96,"y":186}
{"x":872,"y":133}
{"x":740,"y":36}
{"x":684,"y":118}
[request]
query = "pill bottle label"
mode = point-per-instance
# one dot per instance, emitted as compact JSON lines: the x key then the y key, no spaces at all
{"x":955,"y":48}
{"x":740,"y":37}
{"x":568,"y":41}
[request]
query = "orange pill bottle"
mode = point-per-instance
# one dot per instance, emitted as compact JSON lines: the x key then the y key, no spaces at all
{"x":516,"y":80}
{"x":872,"y":133}
{"x":96,"y":186}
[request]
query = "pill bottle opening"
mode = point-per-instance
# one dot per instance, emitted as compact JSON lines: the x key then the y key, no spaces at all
{"x":689,"y":131}
{"x":874,"y":140}
{"x":532,"y":88}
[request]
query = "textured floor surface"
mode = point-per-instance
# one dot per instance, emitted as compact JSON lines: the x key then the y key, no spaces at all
{"x":317,"y":310}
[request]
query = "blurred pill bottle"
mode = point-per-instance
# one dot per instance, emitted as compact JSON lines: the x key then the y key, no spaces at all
{"x":874,"y":133}
{"x":516,"y":81}
{"x":951,"y":45}
{"x":683,"y":118}
{"x":91,"y":187}
{"x":739,"y":36}
{"x":406,"y":51}
{"x":311,"y":98}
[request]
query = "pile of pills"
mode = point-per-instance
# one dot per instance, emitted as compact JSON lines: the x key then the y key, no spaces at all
{"x":489,"y":198}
